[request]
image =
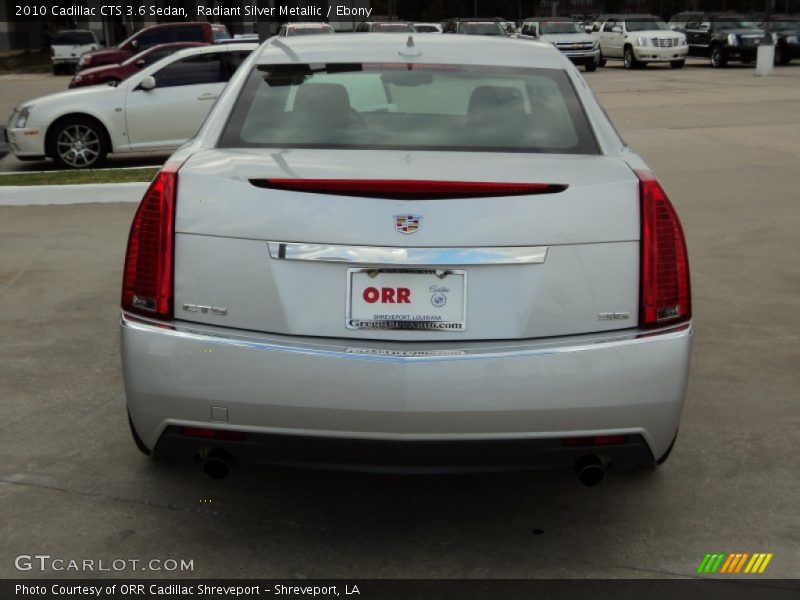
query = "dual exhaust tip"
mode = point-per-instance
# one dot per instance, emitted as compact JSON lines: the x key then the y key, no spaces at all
{"x":217,"y":463}
{"x":591,"y":469}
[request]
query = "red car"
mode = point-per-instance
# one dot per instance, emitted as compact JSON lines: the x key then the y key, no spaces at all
{"x":109,"y":73}
{"x":199,"y":32}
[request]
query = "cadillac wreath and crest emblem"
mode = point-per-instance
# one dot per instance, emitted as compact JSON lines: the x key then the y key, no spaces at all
{"x":407,"y":223}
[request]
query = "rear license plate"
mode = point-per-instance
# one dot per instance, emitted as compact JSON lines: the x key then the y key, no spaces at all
{"x":421,"y":299}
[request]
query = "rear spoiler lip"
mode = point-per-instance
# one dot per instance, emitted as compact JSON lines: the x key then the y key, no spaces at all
{"x":408,"y":189}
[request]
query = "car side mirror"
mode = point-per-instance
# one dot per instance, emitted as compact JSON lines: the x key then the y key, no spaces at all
{"x":102,"y":42}
{"x":617,"y":29}
{"x":148,"y":83}
{"x":140,"y":63}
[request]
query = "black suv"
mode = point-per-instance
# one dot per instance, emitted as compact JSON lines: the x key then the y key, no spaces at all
{"x":786,"y":31}
{"x":723,"y":38}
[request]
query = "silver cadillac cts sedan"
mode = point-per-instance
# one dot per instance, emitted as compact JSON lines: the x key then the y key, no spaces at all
{"x":406,"y":254}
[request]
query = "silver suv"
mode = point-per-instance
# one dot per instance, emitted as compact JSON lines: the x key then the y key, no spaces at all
{"x":568,"y":36}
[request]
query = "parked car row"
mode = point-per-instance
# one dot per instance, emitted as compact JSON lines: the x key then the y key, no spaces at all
{"x":157,"y":108}
{"x":160,"y":95}
{"x":634,"y":39}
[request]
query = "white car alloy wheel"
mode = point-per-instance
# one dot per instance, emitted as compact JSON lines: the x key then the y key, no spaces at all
{"x":78,"y":144}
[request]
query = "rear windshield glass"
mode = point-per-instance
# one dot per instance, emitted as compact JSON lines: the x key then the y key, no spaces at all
{"x":483,"y":29}
{"x":393,"y":28}
{"x":731,"y":24}
{"x":415,"y":107}
{"x":70,"y":38}
{"x":785,"y":25}
{"x":220,"y":33}
{"x":310,"y":30}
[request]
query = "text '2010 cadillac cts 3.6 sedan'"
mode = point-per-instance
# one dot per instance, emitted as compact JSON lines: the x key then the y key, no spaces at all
{"x":404,"y":253}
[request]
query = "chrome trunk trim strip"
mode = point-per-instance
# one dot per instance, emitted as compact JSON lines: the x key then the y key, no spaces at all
{"x":386,"y":255}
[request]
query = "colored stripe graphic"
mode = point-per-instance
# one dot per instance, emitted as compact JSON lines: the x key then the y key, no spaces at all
{"x":718,"y":562}
{"x":741,"y":562}
{"x":734,"y":563}
{"x":727,"y":564}
{"x":703,"y":563}
{"x":764,"y":564}
{"x":754,"y":563}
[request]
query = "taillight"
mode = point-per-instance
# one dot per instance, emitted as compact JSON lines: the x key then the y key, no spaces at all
{"x":147,"y":283}
{"x":665,"y":293}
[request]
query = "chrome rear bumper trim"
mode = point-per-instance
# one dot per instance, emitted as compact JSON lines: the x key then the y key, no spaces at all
{"x":403,"y":352}
{"x":386,"y":255}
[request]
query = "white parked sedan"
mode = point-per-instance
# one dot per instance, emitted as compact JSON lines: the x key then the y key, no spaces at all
{"x":406,"y":252}
{"x":157,"y":109}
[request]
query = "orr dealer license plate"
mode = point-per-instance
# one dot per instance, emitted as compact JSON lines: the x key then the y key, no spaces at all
{"x":416,"y":299}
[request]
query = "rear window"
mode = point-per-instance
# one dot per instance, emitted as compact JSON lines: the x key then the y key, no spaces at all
{"x":190,"y":33}
{"x":393,"y":28}
{"x":483,"y":29}
{"x":73,"y":38}
{"x":414,"y":107}
{"x":646,"y":25}
{"x":553,"y":27}
{"x":310,"y":30}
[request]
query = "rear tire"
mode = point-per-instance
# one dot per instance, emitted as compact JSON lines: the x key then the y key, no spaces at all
{"x":718,"y":59}
{"x":677,"y":64}
{"x":56,"y":69}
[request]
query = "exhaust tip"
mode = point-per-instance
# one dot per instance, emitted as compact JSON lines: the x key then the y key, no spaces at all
{"x":217,"y":464}
{"x":591,"y":470}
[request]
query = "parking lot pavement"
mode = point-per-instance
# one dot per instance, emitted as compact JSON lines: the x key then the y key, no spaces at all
{"x":72,"y":485}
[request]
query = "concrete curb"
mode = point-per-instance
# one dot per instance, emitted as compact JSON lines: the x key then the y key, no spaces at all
{"x":88,"y":193}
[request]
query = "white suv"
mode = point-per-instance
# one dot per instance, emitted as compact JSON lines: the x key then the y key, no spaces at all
{"x":638,"y":40}
{"x":67,"y":46}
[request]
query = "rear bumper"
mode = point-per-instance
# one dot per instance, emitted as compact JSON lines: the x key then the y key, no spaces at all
{"x":415,"y":456}
{"x":529,"y":392}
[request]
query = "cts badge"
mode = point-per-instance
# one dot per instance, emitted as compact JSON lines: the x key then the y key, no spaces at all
{"x":407,"y":223}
